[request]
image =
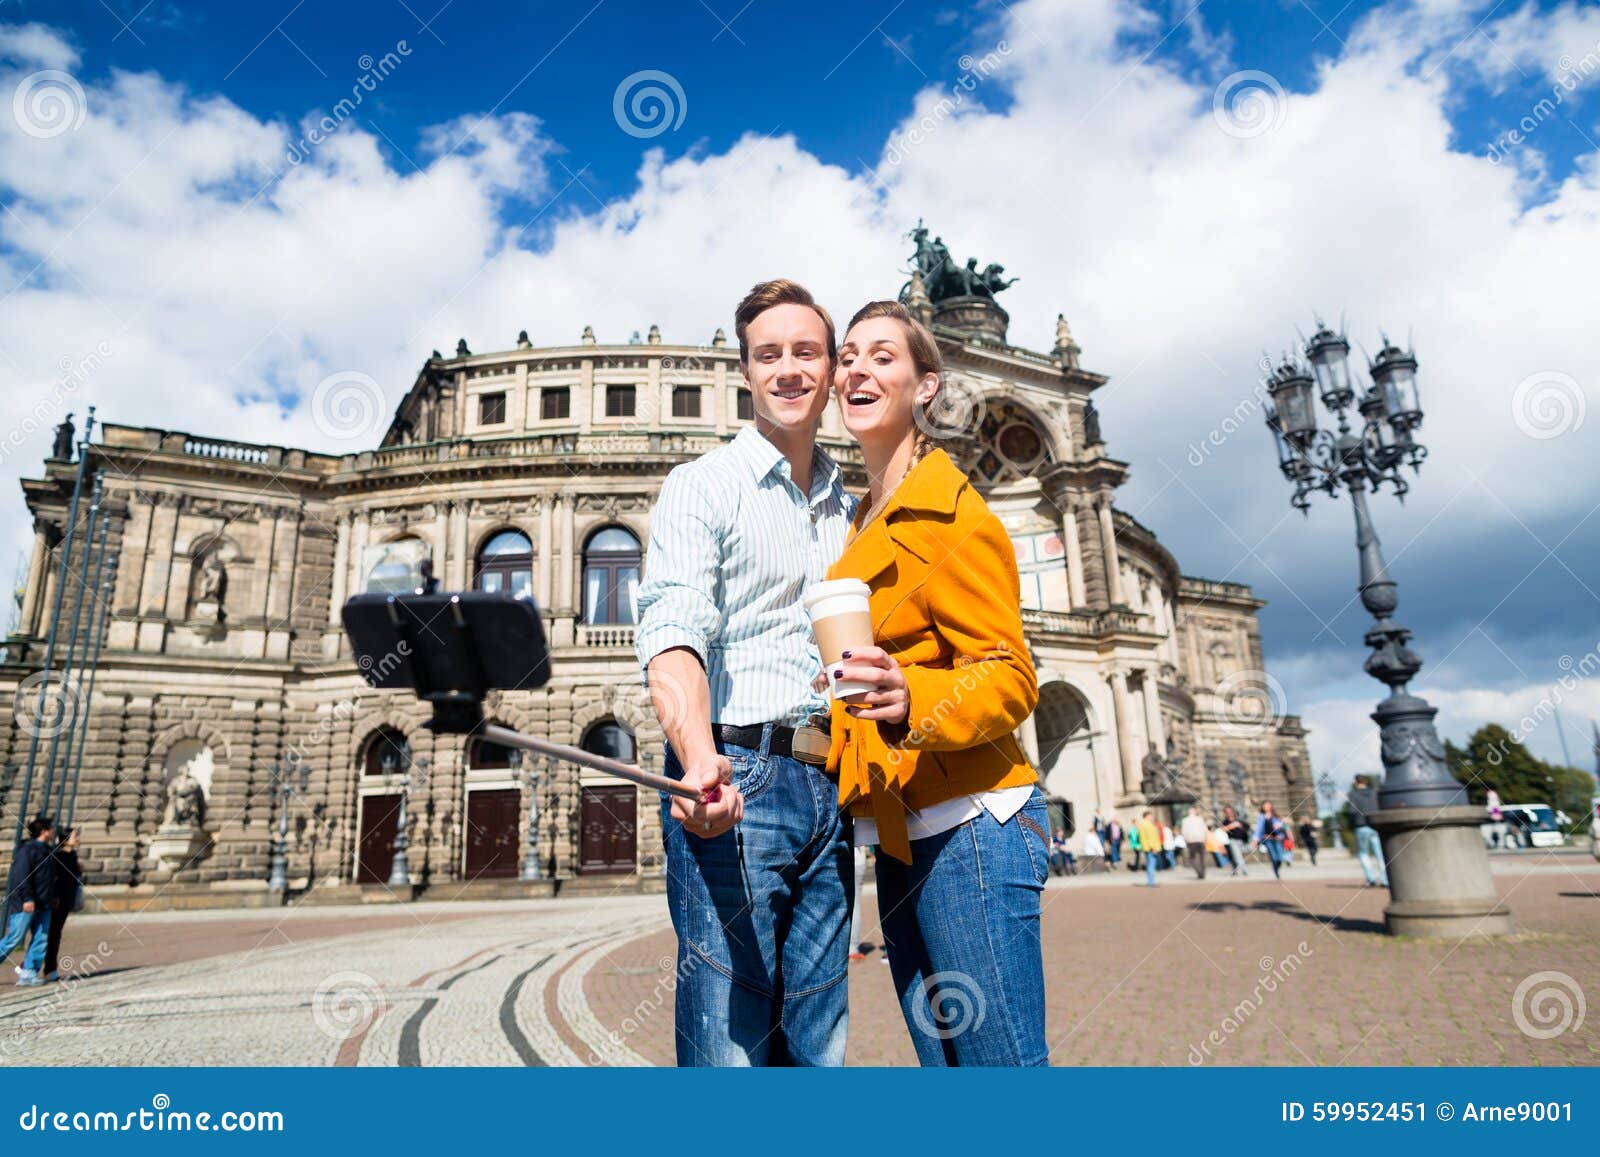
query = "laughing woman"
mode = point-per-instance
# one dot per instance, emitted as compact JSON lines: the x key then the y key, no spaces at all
{"x":928,"y":762}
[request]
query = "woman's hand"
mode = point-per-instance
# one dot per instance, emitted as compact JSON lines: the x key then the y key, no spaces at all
{"x":891,"y":701}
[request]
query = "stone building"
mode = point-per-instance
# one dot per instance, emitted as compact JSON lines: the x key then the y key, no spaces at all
{"x":533,"y":470}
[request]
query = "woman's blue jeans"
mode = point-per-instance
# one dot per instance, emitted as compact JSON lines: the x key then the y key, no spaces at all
{"x":961,"y":927}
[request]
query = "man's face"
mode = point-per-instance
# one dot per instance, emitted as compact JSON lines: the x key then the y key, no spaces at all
{"x":788,"y":369}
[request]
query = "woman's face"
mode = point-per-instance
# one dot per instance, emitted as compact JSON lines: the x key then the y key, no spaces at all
{"x":877,"y":384}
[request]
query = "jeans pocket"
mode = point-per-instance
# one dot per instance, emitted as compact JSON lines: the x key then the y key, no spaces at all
{"x":752,"y":775}
{"x":1035,"y":838}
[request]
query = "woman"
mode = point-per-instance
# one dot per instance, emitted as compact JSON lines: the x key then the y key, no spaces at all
{"x":1270,"y":833}
{"x":928,"y":762}
{"x":68,"y":884}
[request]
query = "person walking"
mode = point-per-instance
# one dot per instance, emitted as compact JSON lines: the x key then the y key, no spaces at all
{"x":1114,"y":837}
{"x":1148,"y":833}
{"x":1133,"y":846}
{"x":1270,"y":834}
{"x":1238,"y":836}
{"x":1363,"y":800}
{"x":1308,"y":839}
{"x":29,"y":894}
{"x":1094,"y":850}
{"x":1194,"y":833}
{"x":1062,"y":861}
{"x":68,"y":898}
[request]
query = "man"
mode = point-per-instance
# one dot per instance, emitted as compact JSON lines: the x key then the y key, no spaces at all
{"x":1149,"y":833}
{"x":762,"y":912}
{"x":1369,"y":848}
{"x":29,"y":896}
{"x":1062,"y":861}
{"x":1238,"y":833}
{"x":1194,"y":833}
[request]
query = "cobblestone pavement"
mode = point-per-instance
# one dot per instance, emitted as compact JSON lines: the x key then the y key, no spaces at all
{"x":1224,"y":971}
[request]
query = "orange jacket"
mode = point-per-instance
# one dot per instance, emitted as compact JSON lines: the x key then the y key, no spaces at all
{"x":945,"y":603}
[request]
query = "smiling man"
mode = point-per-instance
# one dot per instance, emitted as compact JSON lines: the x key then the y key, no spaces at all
{"x":761,"y":909}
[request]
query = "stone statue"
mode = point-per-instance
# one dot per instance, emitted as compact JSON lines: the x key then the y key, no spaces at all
{"x":942,"y":278}
{"x":1091,"y":425}
{"x":62,"y":452}
{"x":186,"y":802}
{"x":1156,"y":777}
{"x":213,"y":579}
{"x":461,"y":349}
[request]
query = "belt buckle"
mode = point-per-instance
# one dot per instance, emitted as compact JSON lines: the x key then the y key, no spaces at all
{"x":811,"y":743}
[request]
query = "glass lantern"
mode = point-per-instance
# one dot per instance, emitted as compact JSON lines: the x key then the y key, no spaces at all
{"x":1328,"y":354}
{"x":1381,"y":440}
{"x":1291,"y":398}
{"x":1395,"y":374}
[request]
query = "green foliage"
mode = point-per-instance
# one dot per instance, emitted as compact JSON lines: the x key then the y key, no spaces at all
{"x":1494,"y":759}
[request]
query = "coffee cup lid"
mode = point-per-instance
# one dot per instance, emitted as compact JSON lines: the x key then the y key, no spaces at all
{"x":832,"y":588}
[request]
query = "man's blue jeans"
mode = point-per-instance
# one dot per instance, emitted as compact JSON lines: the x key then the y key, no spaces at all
{"x":961,"y":926}
{"x":1150,"y":867}
{"x":17,"y":926}
{"x":1369,"y":849}
{"x":763,"y":919}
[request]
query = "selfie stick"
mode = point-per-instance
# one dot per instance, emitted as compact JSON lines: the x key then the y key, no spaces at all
{"x":451,"y":649}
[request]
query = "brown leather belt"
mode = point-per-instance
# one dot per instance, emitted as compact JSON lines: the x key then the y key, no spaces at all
{"x":807,"y":743}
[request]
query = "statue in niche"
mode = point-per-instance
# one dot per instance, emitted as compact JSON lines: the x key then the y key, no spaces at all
{"x":1091,"y":425}
{"x":186,"y":801}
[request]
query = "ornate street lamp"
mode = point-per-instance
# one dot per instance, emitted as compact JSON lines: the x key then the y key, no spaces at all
{"x":1327,"y":791}
{"x":532,"y":773}
{"x":1432,"y":844}
{"x":283,"y":780}
{"x":393,"y":761}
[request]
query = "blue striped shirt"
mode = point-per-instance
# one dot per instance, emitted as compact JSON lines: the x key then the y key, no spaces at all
{"x":733,"y":546}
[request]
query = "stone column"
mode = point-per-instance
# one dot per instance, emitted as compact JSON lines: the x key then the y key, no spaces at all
{"x":1108,"y":551}
{"x":1154,"y":731}
{"x":564,"y":538}
{"x":30,"y":597}
{"x":1069,"y":536}
{"x":546,"y":548}
{"x":341,"y":568}
{"x":361,"y":533}
{"x":457,"y":564}
{"x":1122,"y":709}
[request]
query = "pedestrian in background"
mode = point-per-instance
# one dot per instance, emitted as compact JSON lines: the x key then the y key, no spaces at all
{"x":1194,"y":833}
{"x":1148,"y":833}
{"x":1270,"y":834}
{"x":1308,"y":839}
{"x":1094,"y":850}
{"x":1114,"y":837}
{"x":1363,"y":800}
{"x":68,"y":898}
{"x":1238,"y":840}
{"x":1133,"y":843}
{"x":29,"y":894}
{"x":1062,"y":861}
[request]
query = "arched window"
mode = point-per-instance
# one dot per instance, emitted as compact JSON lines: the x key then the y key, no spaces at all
{"x":484,"y":754}
{"x":505,"y":565}
{"x":611,"y":561}
{"x":386,"y":752}
{"x":612,"y":740}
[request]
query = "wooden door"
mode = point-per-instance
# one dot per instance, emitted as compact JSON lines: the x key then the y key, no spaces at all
{"x":380,"y":822}
{"x":609,"y":830}
{"x":492,"y":821}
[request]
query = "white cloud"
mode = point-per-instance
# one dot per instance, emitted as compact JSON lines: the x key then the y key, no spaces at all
{"x":170,"y":225}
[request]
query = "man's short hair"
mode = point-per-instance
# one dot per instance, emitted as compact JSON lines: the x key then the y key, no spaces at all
{"x":779,"y":291}
{"x":38,"y":825}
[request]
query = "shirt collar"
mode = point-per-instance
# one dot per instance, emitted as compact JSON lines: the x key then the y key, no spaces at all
{"x":931,"y":486}
{"x":763,"y":458}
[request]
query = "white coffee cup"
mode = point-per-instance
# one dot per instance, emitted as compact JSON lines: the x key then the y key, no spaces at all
{"x":841,"y":619}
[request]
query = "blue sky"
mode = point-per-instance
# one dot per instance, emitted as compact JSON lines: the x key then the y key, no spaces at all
{"x":486,"y":184}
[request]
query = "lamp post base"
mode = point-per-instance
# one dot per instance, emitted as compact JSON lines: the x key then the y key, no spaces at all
{"x":1439,"y":877}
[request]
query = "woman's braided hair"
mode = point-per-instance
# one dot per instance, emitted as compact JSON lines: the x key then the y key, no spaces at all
{"x":924,"y":355}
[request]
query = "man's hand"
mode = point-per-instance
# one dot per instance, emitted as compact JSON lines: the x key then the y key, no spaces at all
{"x":709,"y":820}
{"x":891,"y":701}
{"x":27,"y":905}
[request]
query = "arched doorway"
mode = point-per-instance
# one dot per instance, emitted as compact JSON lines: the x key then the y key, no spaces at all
{"x":384,"y":756}
{"x":608,"y":841}
{"x":1067,"y":766}
{"x":494,"y":813}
